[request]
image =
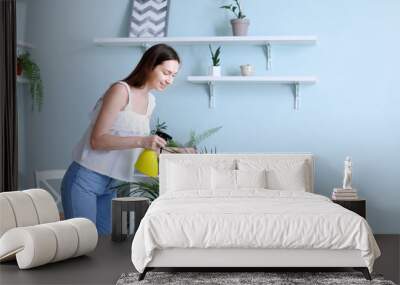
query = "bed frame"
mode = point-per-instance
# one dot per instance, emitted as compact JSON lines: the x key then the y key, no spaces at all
{"x":246,"y":259}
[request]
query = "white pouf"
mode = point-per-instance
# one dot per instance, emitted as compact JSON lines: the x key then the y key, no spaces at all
{"x":31,"y":232}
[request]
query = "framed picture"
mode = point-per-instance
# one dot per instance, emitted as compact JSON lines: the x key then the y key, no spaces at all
{"x":149,"y":18}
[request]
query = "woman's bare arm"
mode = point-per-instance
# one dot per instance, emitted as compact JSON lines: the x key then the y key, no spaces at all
{"x":114,"y":101}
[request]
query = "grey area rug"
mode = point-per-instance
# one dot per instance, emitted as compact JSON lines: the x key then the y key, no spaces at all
{"x":269,"y":278}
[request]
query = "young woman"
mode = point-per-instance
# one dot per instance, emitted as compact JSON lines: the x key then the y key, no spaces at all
{"x":118,"y":132}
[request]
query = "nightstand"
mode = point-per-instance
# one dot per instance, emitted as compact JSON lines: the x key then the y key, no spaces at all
{"x":127,"y":212}
{"x":357,"y":206}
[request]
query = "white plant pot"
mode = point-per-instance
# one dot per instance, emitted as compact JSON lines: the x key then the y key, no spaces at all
{"x":215,"y":70}
{"x":246,"y":70}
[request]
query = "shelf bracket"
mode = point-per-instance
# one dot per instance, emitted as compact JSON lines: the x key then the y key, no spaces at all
{"x":211,"y":95}
{"x":296,"y":96}
{"x":267,"y":49}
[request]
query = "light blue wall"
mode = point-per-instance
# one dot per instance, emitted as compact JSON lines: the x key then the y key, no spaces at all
{"x":353,"y":110}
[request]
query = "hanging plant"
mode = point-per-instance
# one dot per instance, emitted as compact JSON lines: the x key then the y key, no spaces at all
{"x":31,"y":72}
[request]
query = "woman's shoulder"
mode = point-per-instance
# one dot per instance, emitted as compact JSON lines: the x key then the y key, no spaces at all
{"x":117,"y":93}
{"x":119,"y":87}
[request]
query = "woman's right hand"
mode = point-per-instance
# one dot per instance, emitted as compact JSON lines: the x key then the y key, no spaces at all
{"x":153,"y":142}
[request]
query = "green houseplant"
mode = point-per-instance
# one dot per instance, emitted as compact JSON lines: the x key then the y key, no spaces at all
{"x":149,"y":187}
{"x":195,"y":139}
{"x":240,"y":24}
{"x":31,"y":72}
{"x":215,"y":69}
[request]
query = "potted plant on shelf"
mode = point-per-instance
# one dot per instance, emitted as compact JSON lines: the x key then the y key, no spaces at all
{"x":19,"y":66}
{"x":240,"y":24}
{"x":31,"y":72}
{"x":215,"y":69}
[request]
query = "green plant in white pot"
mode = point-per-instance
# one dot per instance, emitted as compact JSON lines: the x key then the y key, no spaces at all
{"x":215,"y":69}
{"x":240,"y":25}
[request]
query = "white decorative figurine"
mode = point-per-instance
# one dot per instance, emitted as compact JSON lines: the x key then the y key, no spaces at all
{"x":347,"y":173}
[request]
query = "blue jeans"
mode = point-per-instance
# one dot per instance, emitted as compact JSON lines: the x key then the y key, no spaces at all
{"x":87,"y":194}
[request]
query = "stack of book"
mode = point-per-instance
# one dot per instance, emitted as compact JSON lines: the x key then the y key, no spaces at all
{"x":344,"y":194}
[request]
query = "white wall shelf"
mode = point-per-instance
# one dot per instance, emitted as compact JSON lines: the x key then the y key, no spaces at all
{"x":261,"y":40}
{"x":22,"y":80}
{"x":265,"y":41}
{"x":24,"y":45}
{"x":296,"y":81}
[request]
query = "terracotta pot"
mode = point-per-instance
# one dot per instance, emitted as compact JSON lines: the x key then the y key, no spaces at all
{"x":19,"y":69}
{"x":240,"y":26}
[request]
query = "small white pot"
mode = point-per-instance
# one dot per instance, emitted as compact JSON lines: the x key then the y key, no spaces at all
{"x":246,"y":70}
{"x":215,"y":70}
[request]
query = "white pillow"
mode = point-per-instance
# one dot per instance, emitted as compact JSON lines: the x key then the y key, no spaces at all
{"x":227,"y":179}
{"x":223,"y":179}
{"x":289,"y":179}
{"x":282,"y":174}
{"x":183,"y":177}
{"x":251,"y":178}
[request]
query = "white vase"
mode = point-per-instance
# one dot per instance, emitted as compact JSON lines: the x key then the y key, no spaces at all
{"x":215,"y":70}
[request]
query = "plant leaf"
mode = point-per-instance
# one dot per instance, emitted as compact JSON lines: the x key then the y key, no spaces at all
{"x":195,"y":140}
{"x":218,"y":52}
{"x":172,"y":143}
{"x":192,"y":139}
{"x":211,"y":51}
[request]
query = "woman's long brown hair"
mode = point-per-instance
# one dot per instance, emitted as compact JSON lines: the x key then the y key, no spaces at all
{"x":154,"y":56}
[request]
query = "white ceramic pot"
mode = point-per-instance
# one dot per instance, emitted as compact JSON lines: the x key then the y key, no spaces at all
{"x":215,"y":70}
{"x":246,"y":70}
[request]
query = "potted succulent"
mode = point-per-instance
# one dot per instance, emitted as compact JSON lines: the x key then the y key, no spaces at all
{"x":215,"y":69}
{"x":31,"y":72}
{"x":240,"y":24}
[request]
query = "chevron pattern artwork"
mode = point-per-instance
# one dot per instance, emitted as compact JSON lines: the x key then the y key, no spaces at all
{"x":149,"y":18}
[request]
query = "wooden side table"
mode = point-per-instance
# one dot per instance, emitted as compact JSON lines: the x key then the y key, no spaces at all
{"x":123,"y":209}
{"x":357,"y":206}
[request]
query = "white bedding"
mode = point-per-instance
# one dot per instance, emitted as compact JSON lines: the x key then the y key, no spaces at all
{"x":250,"y":218}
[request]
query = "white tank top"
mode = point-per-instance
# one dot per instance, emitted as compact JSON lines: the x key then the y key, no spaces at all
{"x":118,"y":164}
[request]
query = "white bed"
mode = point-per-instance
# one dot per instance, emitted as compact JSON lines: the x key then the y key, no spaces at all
{"x":247,"y":210}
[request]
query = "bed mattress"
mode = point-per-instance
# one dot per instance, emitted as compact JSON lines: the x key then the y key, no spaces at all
{"x":250,"y":219}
